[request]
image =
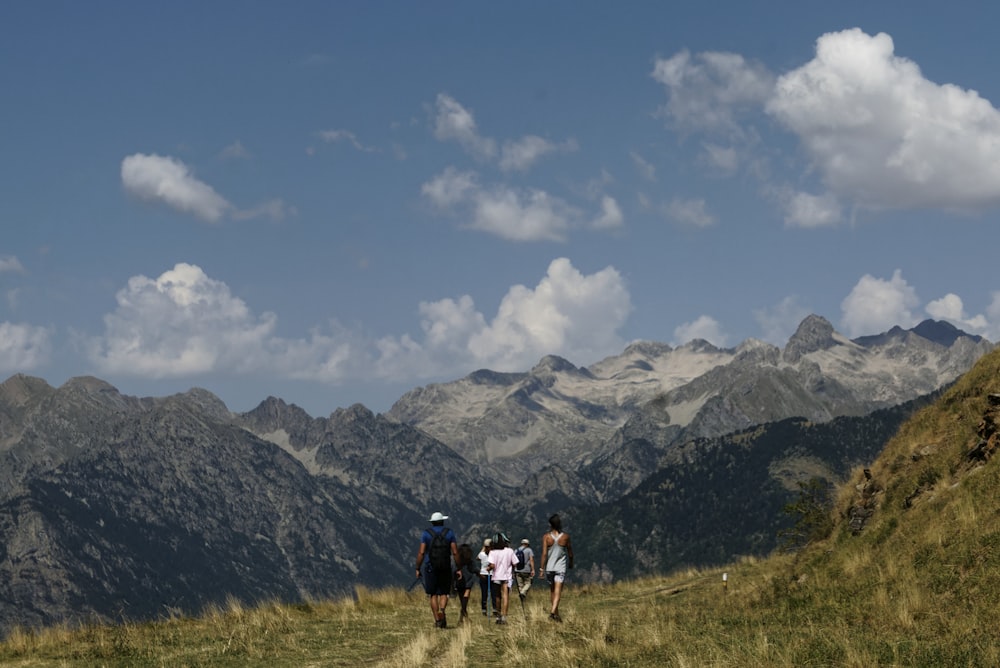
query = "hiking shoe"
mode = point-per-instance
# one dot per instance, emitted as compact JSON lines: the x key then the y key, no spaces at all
{"x":444,"y":621}
{"x":554,"y":616}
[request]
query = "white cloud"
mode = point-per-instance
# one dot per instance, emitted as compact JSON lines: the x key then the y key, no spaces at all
{"x":708,"y":90}
{"x":521,"y":215}
{"x":275,"y":209}
{"x":179,"y":324}
{"x":519,"y":155}
{"x":806,"y":210}
{"x":162,"y":179}
{"x":882,"y":135}
{"x":689,"y":212}
{"x":951,"y":308}
{"x":875,"y":305}
{"x":780,"y":321}
{"x":703,"y":327}
{"x":645,"y":168}
{"x":23,"y":347}
{"x":611,"y":216}
{"x":184,"y":323}
{"x":567,"y":313}
{"x":722,"y":158}
{"x":336,"y":136}
{"x":450,"y":187}
{"x":10,"y":264}
{"x":509,"y":213}
{"x":455,"y":122}
{"x":235,"y":151}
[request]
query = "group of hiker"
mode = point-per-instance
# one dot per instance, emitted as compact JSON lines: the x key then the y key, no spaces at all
{"x":444,"y":566}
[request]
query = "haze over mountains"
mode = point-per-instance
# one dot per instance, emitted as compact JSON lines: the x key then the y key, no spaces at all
{"x":117,"y":506}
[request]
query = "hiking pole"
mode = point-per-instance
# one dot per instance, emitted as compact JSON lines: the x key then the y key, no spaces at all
{"x":489,"y":586}
{"x":414,"y":584}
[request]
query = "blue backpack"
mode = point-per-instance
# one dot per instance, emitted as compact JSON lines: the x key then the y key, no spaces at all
{"x":521,"y":561}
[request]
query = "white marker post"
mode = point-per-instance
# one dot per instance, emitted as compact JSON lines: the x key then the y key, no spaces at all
{"x":725,"y":582}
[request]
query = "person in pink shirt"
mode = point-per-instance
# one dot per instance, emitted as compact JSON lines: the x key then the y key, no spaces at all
{"x":501,"y":567}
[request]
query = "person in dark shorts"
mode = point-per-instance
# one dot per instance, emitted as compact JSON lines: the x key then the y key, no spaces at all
{"x":466,"y":577}
{"x":434,"y":565}
{"x":557,"y":558}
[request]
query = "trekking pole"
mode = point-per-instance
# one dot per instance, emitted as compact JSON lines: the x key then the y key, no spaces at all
{"x":413,"y":584}
{"x":489,"y":587}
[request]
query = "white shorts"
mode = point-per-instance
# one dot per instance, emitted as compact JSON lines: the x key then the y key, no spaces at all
{"x":555,"y":576}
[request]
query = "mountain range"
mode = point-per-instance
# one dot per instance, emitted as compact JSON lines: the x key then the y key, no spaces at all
{"x":117,"y":507}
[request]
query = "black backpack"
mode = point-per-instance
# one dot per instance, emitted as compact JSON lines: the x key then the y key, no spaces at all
{"x":440,"y":552}
{"x":519,"y":553}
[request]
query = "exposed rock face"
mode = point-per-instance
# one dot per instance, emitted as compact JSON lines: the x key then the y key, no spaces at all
{"x":654,"y":394}
{"x":117,"y":507}
{"x":172,"y":511}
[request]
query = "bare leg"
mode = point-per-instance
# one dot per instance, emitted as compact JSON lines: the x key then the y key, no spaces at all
{"x":555,"y":593}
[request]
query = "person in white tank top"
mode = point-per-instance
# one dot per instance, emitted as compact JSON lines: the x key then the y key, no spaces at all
{"x":557,"y":558}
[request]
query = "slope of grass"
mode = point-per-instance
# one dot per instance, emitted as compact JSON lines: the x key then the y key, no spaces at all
{"x":918,"y":586}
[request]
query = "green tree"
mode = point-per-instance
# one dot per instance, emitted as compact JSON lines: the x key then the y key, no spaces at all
{"x":811,"y":510}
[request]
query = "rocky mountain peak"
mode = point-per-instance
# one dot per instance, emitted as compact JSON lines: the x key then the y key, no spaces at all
{"x":206,"y":402}
{"x":943,"y":332}
{"x":553,"y":364}
{"x":648,"y":349}
{"x":352,"y":414}
{"x":815,"y":333}
{"x":19,"y":389}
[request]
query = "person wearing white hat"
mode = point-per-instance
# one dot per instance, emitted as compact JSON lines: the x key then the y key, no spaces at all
{"x":434,"y":565}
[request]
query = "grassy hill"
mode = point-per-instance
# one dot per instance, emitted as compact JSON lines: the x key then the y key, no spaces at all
{"x":909,"y":577}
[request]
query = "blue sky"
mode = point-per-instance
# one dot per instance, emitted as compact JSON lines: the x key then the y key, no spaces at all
{"x":335,"y":202}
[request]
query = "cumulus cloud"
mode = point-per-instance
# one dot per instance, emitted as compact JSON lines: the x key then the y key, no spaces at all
{"x":611,"y":216}
{"x":951,"y":308}
{"x":568,"y":313}
{"x":708,"y":90}
{"x":689,"y":212}
{"x":23,"y":347}
{"x":703,"y":327}
{"x":520,"y":154}
{"x":178,"y":324}
{"x":778,"y":323}
{"x":877,"y":133}
{"x":455,"y":122}
{"x":10,"y":264}
{"x":184,"y":323}
{"x":806,"y":210}
{"x":451,"y":187}
{"x":156,"y":178}
{"x":884,"y":136}
{"x":509,"y":213}
{"x":875,"y":305}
